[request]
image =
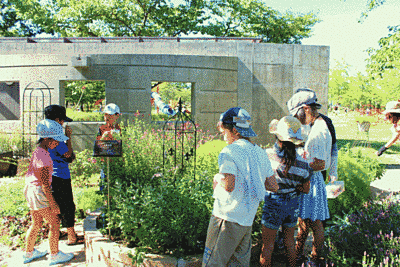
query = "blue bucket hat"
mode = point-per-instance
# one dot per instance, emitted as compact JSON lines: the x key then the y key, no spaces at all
{"x":302,"y":97}
{"x":240,"y":119}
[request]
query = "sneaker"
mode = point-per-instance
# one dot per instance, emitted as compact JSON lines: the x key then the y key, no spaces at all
{"x":36,"y":254}
{"x":60,"y":258}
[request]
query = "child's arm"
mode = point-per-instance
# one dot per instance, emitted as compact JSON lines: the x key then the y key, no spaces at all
{"x":44,"y":179}
{"x":70,"y":153}
{"x":271,"y":184}
{"x":227,"y":181}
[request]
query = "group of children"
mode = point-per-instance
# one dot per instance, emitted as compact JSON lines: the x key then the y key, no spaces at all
{"x":48,"y":189}
{"x":287,"y":177}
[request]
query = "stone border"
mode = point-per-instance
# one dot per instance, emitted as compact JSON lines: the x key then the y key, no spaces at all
{"x":100,"y":251}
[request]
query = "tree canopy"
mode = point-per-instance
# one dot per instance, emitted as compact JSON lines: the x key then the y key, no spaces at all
{"x":221,"y":18}
{"x":11,"y":25}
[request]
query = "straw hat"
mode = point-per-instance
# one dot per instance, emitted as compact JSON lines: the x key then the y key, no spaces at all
{"x":288,"y":129}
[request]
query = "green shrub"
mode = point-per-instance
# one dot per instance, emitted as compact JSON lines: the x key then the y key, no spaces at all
{"x":369,"y":233}
{"x":15,"y":205}
{"x":87,"y":198}
{"x":84,"y":166}
{"x":85,"y":116}
{"x":207,"y":156}
{"x":357,"y":171}
{"x":170,"y":218}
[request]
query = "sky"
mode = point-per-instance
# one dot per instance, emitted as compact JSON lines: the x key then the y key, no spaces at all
{"x":340,"y":30}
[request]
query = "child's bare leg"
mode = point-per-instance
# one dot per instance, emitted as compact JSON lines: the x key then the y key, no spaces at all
{"x":71,"y":234}
{"x":268,"y":238}
{"x":54,"y":232}
{"x":33,"y":231}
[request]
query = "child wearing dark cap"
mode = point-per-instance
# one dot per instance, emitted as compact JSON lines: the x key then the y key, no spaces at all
{"x":62,"y":155}
{"x":244,"y":175}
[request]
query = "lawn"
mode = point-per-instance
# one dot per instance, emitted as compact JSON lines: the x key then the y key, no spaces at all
{"x":379,"y":133}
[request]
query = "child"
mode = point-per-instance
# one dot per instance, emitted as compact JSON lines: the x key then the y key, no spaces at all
{"x":61,"y":156}
{"x":39,"y":196}
{"x":244,"y":174}
{"x":392,"y":112}
{"x":111,"y":129}
{"x":294,"y":173}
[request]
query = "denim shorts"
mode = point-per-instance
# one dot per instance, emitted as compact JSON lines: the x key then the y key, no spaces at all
{"x":280,"y":209}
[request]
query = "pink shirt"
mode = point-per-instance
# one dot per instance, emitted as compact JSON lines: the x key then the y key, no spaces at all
{"x":40,"y":158}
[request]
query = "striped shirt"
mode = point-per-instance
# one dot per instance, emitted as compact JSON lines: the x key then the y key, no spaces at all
{"x":299,"y":173}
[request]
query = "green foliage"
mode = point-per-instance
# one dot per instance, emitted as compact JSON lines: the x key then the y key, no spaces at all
{"x":10,"y":142}
{"x":83,"y":167}
{"x":357,"y":171}
{"x":85,"y":116}
{"x":165,"y":18}
{"x":87,"y":198}
{"x":207,"y":156}
{"x":366,"y":234}
{"x":11,"y":25}
{"x":165,"y":209}
{"x":171,"y":217}
{"x":244,"y":18}
{"x":84,"y":93}
{"x":15,"y":205}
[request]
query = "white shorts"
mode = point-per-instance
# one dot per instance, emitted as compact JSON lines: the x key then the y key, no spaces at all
{"x":35,"y":196}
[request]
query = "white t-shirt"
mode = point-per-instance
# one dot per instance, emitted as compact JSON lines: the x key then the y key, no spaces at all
{"x":251,"y":166}
{"x":319,"y":143}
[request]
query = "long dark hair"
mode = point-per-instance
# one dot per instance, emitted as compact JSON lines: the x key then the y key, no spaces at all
{"x":289,"y":155}
{"x":393,"y":117}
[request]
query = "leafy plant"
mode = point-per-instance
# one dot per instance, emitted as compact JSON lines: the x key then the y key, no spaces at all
{"x":15,"y":205}
{"x":84,"y":166}
{"x":357,"y":171}
{"x":85,"y":116}
{"x":369,"y":233}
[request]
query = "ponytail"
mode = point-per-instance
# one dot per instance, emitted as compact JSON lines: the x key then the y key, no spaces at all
{"x":289,"y":155}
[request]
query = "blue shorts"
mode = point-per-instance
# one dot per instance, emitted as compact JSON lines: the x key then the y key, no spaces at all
{"x":280,"y":210}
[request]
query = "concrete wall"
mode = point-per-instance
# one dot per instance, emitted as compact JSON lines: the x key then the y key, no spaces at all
{"x":257,"y":77}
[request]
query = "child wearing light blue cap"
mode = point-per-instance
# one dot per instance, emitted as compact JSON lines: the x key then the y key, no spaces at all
{"x":38,"y":194}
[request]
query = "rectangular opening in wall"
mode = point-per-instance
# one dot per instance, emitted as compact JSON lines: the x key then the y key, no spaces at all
{"x":85,"y":100}
{"x":9,"y":100}
{"x":165,"y":98}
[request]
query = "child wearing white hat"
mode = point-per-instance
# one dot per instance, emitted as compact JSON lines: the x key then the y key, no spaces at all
{"x":39,"y":196}
{"x":392,"y":112}
{"x":293,"y":174}
{"x":111,"y":129}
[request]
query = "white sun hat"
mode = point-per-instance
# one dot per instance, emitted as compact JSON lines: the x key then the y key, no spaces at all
{"x":288,"y":129}
{"x":51,"y":129}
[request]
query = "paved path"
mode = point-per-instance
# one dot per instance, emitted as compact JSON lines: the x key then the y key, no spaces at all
{"x":13,"y":258}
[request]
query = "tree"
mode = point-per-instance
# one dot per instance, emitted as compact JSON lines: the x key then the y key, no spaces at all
{"x":84,"y":93}
{"x":250,"y":18}
{"x":12,"y":25}
{"x":253,"y":18}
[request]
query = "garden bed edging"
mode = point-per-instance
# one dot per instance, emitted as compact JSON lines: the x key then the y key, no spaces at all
{"x":100,"y":251}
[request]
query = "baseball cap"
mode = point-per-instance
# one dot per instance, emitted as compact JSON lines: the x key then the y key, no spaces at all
{"x":53,"y":112}
{"x":111,"y":109}
{"x":51,"y":129}
{"x":302,"y":97}
{"x":288,"y":129}
{"x":240,"y":119}
{"x":392,"y":107}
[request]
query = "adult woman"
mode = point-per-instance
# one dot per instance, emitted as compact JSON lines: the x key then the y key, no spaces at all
{"x":392,"y":112}
{"x":293,"y":175}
